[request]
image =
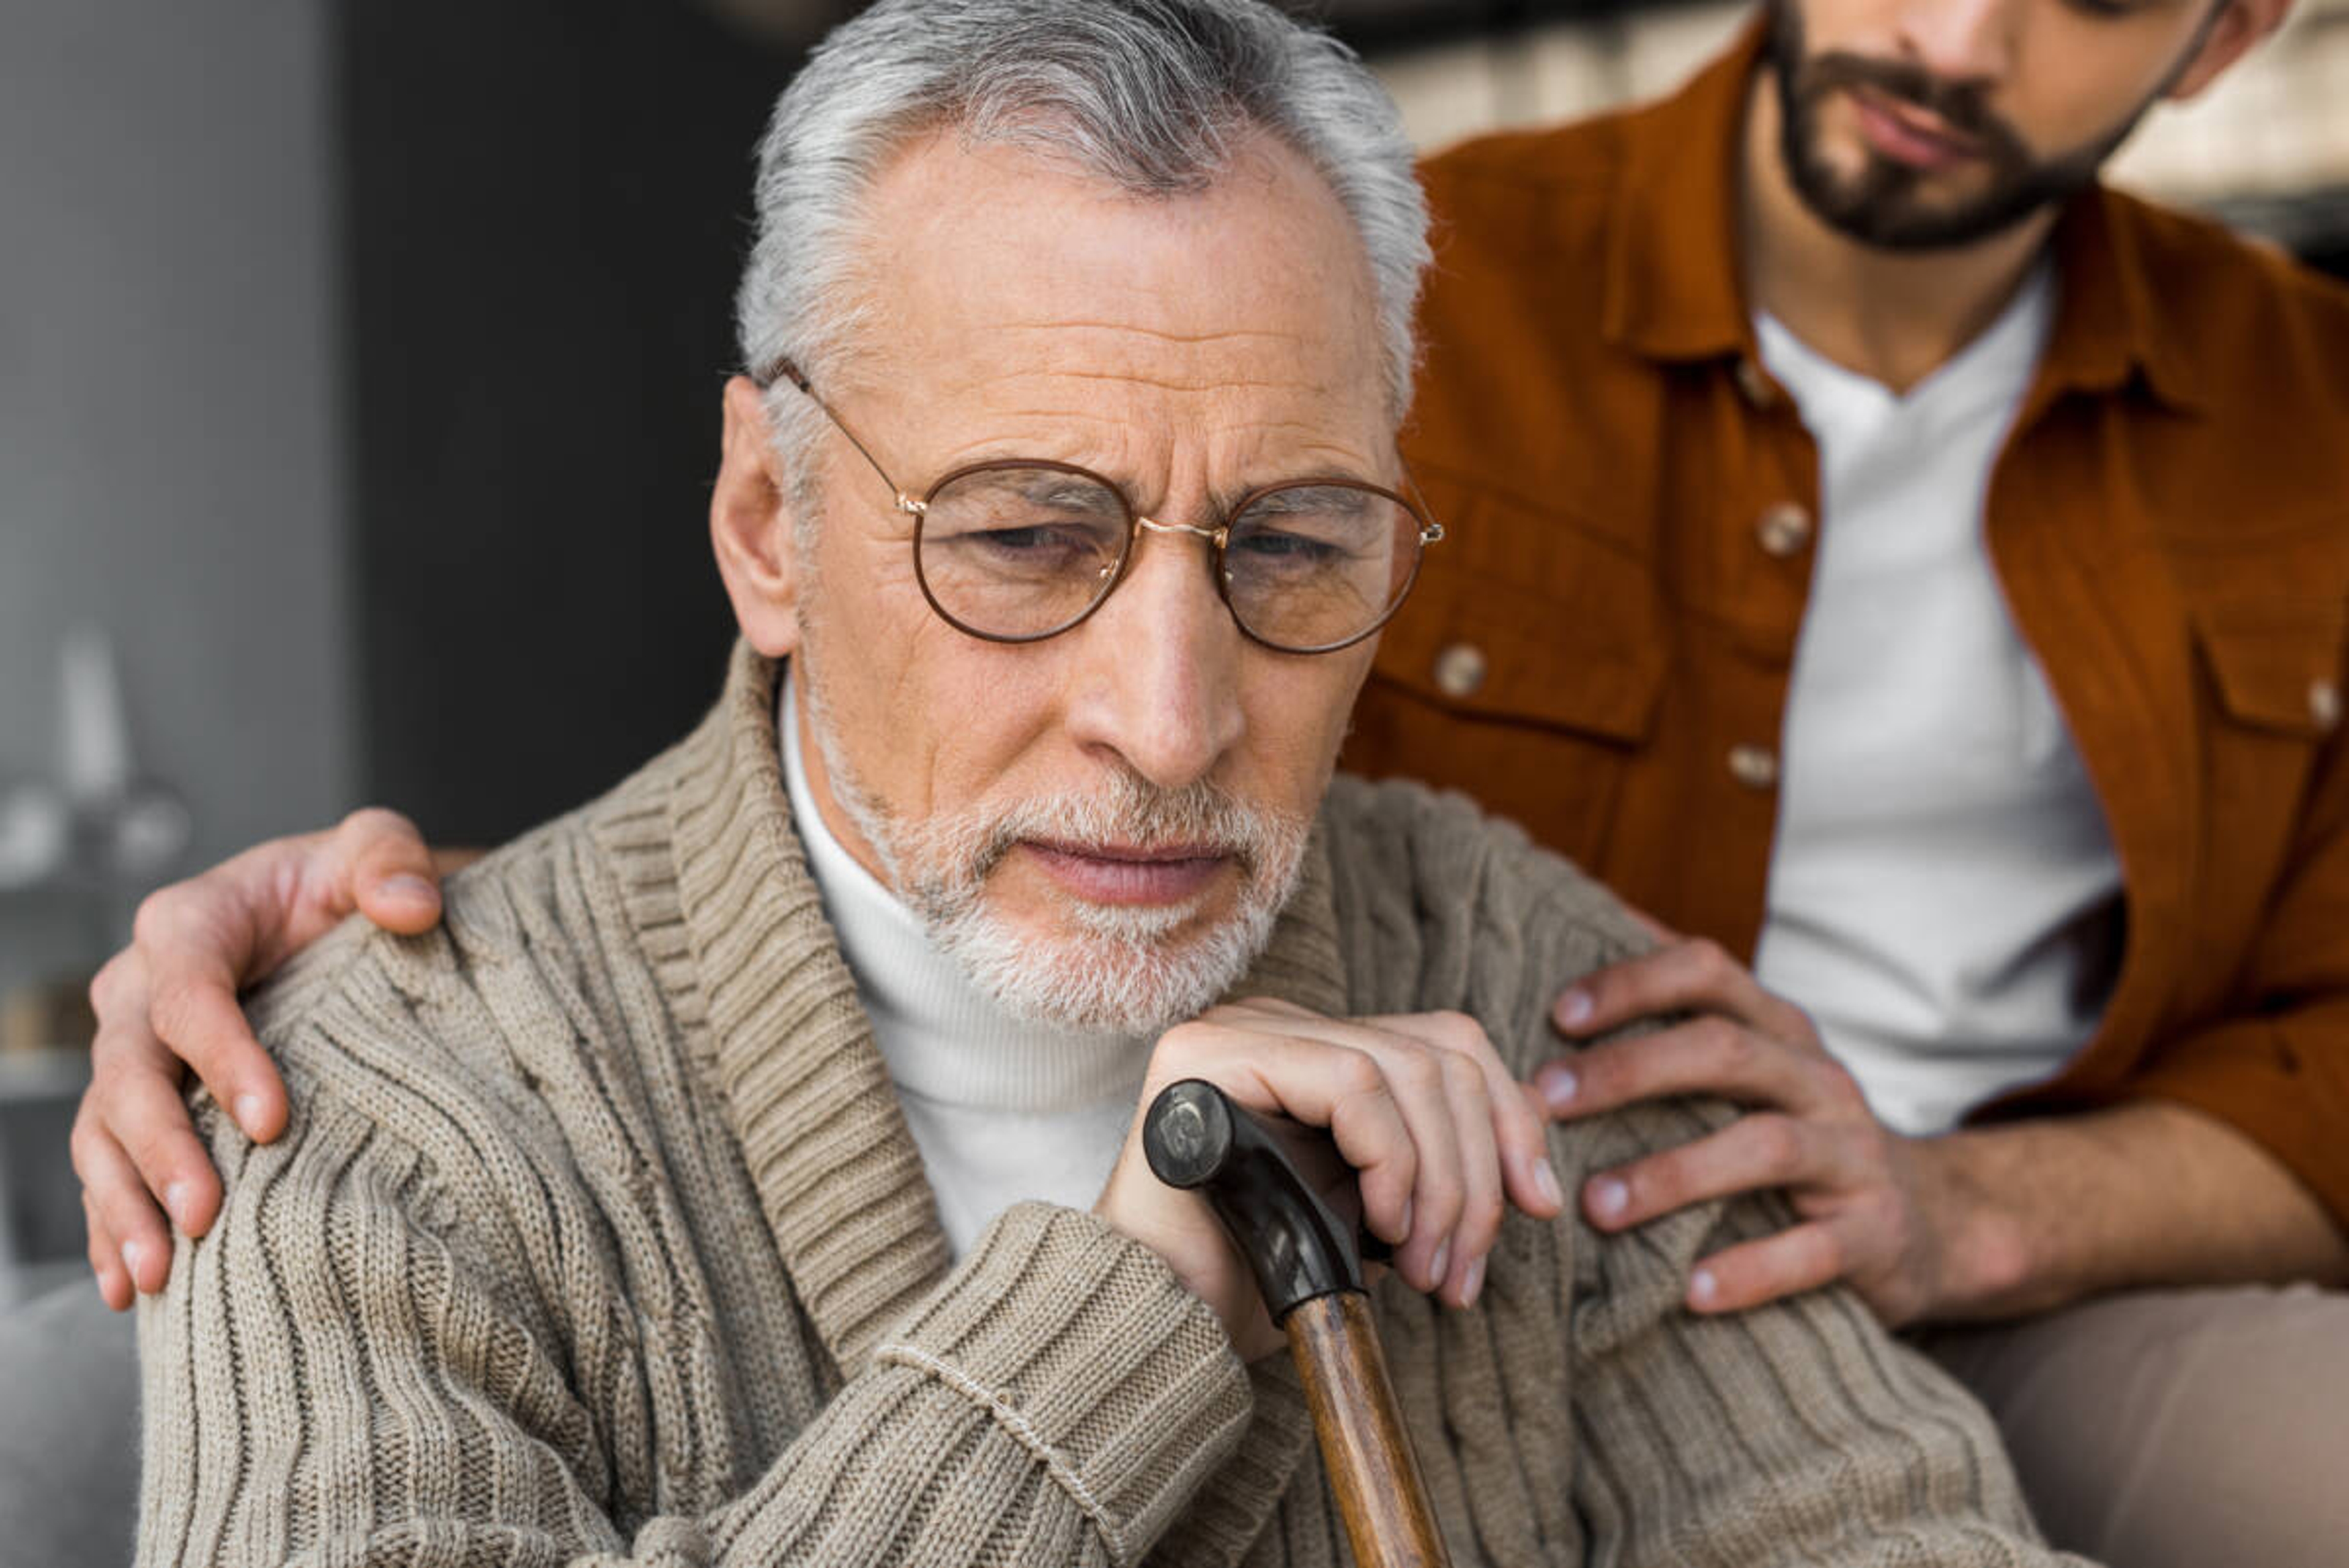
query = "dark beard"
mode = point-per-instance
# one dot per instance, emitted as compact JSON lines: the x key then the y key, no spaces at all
{"x":1881,"y":206}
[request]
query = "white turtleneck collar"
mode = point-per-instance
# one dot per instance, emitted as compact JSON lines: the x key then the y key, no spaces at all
{"x":1001,"y":1110}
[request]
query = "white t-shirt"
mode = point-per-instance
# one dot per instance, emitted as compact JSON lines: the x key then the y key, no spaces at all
{"x":1001,"y":1111}
{"x":1944,"y":899}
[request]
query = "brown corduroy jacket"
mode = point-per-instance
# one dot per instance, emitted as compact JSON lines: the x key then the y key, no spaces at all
{"x":1601,"y":648}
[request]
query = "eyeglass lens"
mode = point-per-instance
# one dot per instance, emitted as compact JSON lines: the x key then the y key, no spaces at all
{"x":1022,"y":551}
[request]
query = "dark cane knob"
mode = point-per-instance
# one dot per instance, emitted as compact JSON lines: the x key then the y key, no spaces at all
{"x":1279,"y":1190}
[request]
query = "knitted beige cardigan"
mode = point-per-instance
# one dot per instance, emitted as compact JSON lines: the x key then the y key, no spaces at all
{"x":597,"y":1236}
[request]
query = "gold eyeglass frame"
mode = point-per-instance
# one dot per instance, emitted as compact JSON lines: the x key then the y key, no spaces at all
{"x":918,"y":508}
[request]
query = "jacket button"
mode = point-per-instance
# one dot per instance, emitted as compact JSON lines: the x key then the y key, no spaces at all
{"x":2324,"y":704}
{"x":1755,"y":767}
{"x":1783,"y":529}
{"x":1460,"y":670}
{"x":1753,"y":383}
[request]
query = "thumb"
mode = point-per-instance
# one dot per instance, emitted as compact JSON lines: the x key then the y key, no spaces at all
{"x":391,"y":876}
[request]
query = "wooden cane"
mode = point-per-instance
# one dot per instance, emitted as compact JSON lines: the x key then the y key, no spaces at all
{"x":1279,"y":1189}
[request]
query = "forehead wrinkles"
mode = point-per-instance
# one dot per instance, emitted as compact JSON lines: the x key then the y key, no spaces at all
{"x":1078,"y":361}
{"x":1199,"y":360}
{"x":1221,"y":433}
{"x":1119,"y":396}
{"x":1194,"y":339}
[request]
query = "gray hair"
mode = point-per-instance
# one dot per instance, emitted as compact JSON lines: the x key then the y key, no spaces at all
{"x":1148,"y":95}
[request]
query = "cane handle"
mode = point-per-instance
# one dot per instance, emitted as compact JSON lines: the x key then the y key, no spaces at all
{"x":1287,"y":1202}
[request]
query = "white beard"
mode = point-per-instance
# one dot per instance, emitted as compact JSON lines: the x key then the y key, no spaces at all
{"x":1124,"y":970}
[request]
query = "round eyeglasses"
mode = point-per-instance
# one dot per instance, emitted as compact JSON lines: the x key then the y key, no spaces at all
{"x":1020,"y":549}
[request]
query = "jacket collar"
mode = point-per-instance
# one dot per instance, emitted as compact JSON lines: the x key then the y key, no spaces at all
{"x":805,"y":1084}
{"x":1674,"y":290}
{"x":2110,"y":330}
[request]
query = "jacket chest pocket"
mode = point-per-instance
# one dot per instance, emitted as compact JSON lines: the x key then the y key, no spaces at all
{"x":2272,"y":670}
{"x":2275,"y":667}
{"x":2269,"y":617}
{"x":1525,"y":671}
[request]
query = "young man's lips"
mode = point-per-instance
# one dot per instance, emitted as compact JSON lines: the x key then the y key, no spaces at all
{"x":1910,"y":135}
{"x":1116,"y":875}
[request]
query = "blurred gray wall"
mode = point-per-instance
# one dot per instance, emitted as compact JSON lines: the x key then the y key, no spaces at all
{"x":169,"y":458}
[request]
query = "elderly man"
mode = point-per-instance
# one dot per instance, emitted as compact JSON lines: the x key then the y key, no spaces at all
{"x":742,"y":1172}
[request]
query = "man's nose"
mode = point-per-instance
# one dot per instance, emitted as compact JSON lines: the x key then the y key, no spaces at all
{"x":1961,"y":40}
{"x":1160,"y":672}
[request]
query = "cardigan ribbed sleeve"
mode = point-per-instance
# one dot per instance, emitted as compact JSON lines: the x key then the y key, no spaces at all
{"x":348,"y":1370}
{"x":1799,"y":1433}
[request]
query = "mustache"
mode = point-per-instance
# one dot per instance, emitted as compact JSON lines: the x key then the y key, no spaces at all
{"x":1961,"y":104}
{"x":1129,"y":813}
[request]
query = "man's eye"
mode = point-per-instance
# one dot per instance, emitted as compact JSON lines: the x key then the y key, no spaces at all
{"x":1276,"y":548}
{"x":1024,"y":552}
{"x":1031,"y":540}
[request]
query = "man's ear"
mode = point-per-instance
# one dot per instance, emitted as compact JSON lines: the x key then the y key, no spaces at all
{"x":2237,"y":25}
{"x":750,"y":518}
